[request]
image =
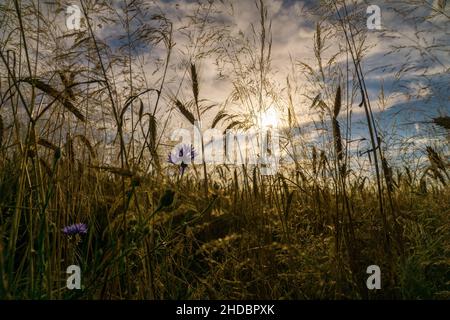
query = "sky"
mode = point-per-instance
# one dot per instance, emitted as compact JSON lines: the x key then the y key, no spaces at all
{"x":419,"y":48}
{"x":406,"y":63}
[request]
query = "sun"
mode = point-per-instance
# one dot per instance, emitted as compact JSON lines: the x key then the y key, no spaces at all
{"x":269,"y":118}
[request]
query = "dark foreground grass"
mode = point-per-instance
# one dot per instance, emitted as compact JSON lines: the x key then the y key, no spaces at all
{"x":276,"y":239}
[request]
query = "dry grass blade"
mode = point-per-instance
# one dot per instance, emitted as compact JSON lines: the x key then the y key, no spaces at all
{"x":152,"y":139}
{"x":219,"y":116}
{"x":322,"y":162}
{"x":69,"y":150}
{"x":314,"y":159}
{"x":184,"y":111}
{"x":56,"y":95}
{"x":67,"y":78}
{"x":42,"y":86}
{"x":131,"y":99}
{"x":306,"y":66}
{"x":1,"y":130}
{"x":88,"y":144}
{"x":47,"y":144}
{"x":46,"y":167}
{"x":409,"y":176}
{"x":292,"y":119}
{"x":255,"y":181}
{"x":233,"y":124}
{"x":315,"y":101}
{"x":387,"y":170}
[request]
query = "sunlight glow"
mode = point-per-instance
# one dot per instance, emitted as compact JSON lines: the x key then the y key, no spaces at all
{"x":269,"y":118}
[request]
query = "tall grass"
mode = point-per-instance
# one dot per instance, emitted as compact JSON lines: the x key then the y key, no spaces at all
{"x":83,"y":142}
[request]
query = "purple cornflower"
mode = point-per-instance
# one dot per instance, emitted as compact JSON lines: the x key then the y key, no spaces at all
{"x":77,"y":228}
{"x":182,"y":155}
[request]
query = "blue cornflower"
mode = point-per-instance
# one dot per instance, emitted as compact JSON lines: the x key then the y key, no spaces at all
{"x":78,"y":228}
{"x":182,"y":155}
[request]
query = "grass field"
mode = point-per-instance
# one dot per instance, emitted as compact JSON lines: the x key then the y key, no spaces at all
{"x":85,"y":180}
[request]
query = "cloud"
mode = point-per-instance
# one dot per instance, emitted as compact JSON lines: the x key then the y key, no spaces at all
{"x":407,"y":58}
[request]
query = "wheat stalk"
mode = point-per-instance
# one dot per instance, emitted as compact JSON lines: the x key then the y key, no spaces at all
{"x":435,"y":159}
{"x":59,"y":96}
{"x":443,"y":122}
{"x":195,"y":89}
{"x":184,"y":111}
{"x":335,"y":123}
